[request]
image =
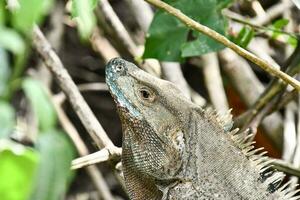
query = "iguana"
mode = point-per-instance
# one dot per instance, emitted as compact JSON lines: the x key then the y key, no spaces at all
{"x":174,"y":149}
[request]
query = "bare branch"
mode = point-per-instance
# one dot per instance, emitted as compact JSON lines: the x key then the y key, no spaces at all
{"x":103,"y":46}
{"x":67,"y":85}
{"x":103,"y":155}
{"x":92,"y":87}
{"x":272,"y":13}
{"x":213,"y":80}
{"x":92,"y":171}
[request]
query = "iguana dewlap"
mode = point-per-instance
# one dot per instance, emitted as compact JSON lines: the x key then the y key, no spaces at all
{"x":173,"y":149}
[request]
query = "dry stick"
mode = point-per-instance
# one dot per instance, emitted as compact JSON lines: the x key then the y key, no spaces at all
{"x":103,"y":46}
{"x":67,"y":85}
{"x":92,"y":87}
{"x":91,"y":159}
{"x":240,"y":19}
{"x":220,"y":38}
{"x":213,"y":80}
{"x":285,"y":167}
{"x":112,"y":18}
{"x":272,"y":13}
{"x":54,"y":36}
{"x":286,"y":98}
{"x":258,"y":9}
{"x":118,"y":26}
{"x":92,"y":171}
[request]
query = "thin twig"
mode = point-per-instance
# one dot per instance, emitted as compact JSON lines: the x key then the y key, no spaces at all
{"x":92,"y":171}
{"x":285,"y":167}
{"x":97,"y":157}
{"x":103,"y":46}
{"x":222,"y":39}
{"x":67,"y":85}
{"x":286,"y":98}
{"x":117,"y":25}
{"x":92,"y":87}
{"x":235,"y":17}
{"x":272,"y":13}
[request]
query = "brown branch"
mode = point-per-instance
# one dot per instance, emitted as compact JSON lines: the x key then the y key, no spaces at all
{"x":97,"y":157}
{"x":67,"y":85}
{"x":213,"y":80}
{"x":220,"y":38}
{"x":103,"y":46}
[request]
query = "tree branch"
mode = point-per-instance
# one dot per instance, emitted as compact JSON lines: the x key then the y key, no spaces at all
{"x":220,"y":38}
{"x":67,"y":85}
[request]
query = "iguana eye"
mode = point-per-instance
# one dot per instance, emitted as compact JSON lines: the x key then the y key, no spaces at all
{"x":146,"y":94}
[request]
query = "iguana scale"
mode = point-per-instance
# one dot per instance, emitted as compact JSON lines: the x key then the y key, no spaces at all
{"x":173,"y":149}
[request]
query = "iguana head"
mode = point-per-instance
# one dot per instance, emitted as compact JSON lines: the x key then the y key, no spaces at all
{"x":152,"y":120}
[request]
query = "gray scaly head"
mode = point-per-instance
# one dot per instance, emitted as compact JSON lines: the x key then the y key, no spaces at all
{"x":172,"y":149}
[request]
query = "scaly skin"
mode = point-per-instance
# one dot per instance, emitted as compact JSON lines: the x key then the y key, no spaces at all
{"x":173,"y":149}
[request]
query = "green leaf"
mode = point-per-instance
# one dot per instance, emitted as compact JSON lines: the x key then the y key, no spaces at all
{"x":278,"y":25}
{"x":169,"y":40}
{"x":4,"y":71}
{"x":7,"y":119}
{"x":2,"y":13}
{"x":292,"y":41}
{"x":30,"y":12}
{"x":82,"y":11}
{"x":54,"y":171}
{"x":17,"y":170}
{"x":11,"y":40}
{"x":40,"y":103}
{"x":244,"y":37}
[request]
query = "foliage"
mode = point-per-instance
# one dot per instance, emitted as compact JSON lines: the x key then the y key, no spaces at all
{"x":30,"y":12}
{"x":244,"y":37}
{"x":7,"y":116}
{"x":54,"y":173}
{"x":170,"y":40}
{"x":22,"y":167}
{"x":40,"y":102}
{"x":82,"y":11}
{"x":277,"y":27}
{"x":18,"y":165}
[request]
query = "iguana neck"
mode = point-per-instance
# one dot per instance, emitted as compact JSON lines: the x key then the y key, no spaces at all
{"x":139,"y":185}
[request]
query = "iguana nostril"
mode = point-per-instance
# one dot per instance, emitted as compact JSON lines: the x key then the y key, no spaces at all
{"x":118,"y":68}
